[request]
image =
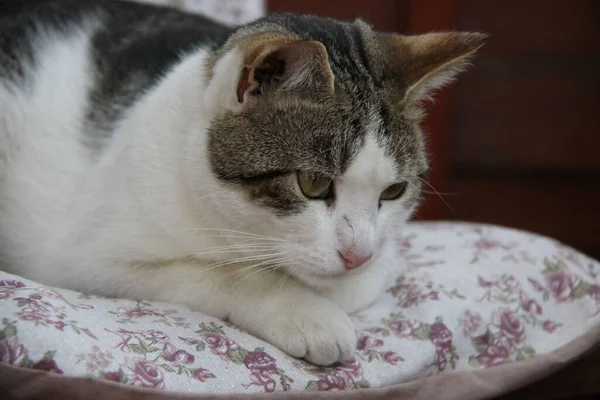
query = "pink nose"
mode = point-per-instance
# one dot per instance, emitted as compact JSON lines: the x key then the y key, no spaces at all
{"x":353,"y":259}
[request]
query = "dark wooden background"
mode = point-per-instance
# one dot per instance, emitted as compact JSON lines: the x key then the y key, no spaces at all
{"x":517,"y":140}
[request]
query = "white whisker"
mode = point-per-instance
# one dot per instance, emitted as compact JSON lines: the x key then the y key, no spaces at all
{"x":435,"y":191}
{"x":243,"y":234}
{"x":260,"y":270}
{"x":240,"y":261}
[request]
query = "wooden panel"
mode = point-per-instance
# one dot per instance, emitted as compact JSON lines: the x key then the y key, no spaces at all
{"x":532,"y":99}
{"x":388,"y":15}
{"x":525,"y":147}
{"x":426,"y":16}
{"x":527,"y":120}
{"x":534,"y":26}
{"x":563,"y":208}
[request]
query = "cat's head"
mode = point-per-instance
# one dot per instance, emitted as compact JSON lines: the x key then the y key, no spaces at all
{"x":315,"y":138}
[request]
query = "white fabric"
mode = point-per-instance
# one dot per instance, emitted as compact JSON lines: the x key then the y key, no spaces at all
{"x":234,"y":12}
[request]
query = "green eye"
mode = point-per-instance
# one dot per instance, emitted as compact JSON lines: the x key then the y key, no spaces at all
{"x":394,"y":191}
{"x":314,"y":186}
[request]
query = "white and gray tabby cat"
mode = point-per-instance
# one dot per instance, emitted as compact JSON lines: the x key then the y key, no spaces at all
{"x":260,"y":174}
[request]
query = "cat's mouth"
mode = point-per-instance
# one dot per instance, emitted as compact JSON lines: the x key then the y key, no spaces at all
{"x":327,"y":278}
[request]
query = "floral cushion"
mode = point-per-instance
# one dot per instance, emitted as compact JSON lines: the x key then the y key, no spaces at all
{"x":466,"y":297}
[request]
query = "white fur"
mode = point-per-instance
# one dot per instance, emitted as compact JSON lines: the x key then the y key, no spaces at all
{"x":149,"y":220}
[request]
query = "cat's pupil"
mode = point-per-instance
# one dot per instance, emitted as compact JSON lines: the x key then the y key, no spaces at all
{"x":320,"y":183}
{"x":315,"y":186}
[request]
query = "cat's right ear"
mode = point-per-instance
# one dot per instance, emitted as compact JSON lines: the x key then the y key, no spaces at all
{"x":422,"y":63}
{"x":276,"y":66}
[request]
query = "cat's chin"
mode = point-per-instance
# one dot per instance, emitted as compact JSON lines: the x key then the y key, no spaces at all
{"x":353,"y":290}
{"x":318,"y":281}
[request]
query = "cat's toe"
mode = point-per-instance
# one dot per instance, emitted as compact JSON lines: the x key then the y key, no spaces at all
{"x":323,"y":338}
{"x":329,"y":341}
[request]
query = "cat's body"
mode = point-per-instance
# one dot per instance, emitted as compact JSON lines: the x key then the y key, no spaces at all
{"x":146,"y":153}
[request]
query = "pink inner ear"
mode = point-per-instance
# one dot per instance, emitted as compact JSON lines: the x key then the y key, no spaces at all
{"x":243,"y":84}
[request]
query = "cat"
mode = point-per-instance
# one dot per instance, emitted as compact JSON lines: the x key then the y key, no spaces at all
{"x":259,"y":174}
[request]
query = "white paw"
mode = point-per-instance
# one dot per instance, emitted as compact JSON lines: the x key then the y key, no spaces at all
{"x":318,"y":331}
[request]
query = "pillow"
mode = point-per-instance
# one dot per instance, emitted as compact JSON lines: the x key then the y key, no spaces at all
{"x":467,"y":298}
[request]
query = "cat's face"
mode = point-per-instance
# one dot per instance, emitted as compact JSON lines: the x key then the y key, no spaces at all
{"x":331,"y":183}
{"x":319,"y":151}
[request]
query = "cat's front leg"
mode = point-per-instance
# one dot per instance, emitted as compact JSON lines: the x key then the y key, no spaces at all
{"x":297,"y":320}
{"x":280,"y":311}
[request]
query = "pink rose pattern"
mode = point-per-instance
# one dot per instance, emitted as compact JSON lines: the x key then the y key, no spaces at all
{"x":369,"y":348}
{"x":144,"y":310}
{"x":415,"y":260}
{"x":13,"y":352}
{"x":492,"y":316}
{"x":37,"y":306}
{"x":342,"y":376}
{"x":436,"y":334}
{"x":151,"y":354}
{"x":410,"y":292}
{"x":263,"y":368}
{"x":96,"y":359}
{"x":145,"y":373}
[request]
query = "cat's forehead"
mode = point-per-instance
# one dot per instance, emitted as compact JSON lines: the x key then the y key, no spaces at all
{"x":259,"y":153}
{"x":389,"y":144}
{"x":323,"y":138}
{"x":334,"y":139}
{"x":371,"y":165}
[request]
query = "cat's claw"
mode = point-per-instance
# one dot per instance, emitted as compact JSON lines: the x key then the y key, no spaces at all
{"x":322,"y":334}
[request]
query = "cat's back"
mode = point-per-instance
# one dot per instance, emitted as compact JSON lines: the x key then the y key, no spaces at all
{"x":45,"y":76}
{"x":110,"y":52}
{"x":69,"y":69}
{"x":124,"y":40}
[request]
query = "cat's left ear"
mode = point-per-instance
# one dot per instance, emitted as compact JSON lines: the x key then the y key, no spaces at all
{"x":423,"y":63}
{"x":278,"y":65}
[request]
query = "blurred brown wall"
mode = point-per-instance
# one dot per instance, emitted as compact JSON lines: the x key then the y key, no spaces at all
{"x":517,"y":140}
{"x":525,"y":146}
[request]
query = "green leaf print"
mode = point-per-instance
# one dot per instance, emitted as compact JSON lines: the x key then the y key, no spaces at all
{"x":422,"y":332}
{"x":238,"y":356}
{"x":136,"y":348}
